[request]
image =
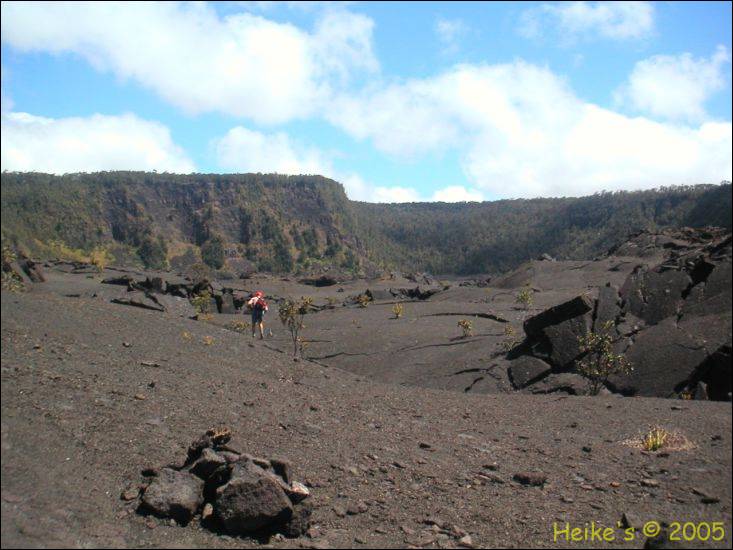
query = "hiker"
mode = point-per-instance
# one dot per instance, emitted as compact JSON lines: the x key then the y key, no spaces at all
{"x":258,"y":306}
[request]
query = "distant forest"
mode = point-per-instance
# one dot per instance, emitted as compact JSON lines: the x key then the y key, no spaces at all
{"x":491,"y":237}
{"x":306,"y":224}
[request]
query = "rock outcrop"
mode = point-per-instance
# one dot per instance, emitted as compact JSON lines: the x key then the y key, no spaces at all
{"x":173,"y":295}
{"x":671,"y":321}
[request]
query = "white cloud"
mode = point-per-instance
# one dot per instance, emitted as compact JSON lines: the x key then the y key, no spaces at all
{"x":244,"y":150}
{"x":243,"y":64}
{"x":675,"y":87}
{"x":32,"y":143}
{"x":446,"y":111}
{"x":395,"y":194}
{"x":573,"y":20}
{"x":457,"y":193}
{"x":520,"y":131}
{"x":449,"y":32}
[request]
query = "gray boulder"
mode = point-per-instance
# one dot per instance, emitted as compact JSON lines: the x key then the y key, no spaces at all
{"x":554,"y":333}
{"x":564,"y":339}
{"x":579,"y":305}
{"x":608,"y":306}
{"x":526,"y":370}
{"x":663,"y":357}
{"x":654,"y":296}
{"x":251,"y":500}
{"x":174,"y":494}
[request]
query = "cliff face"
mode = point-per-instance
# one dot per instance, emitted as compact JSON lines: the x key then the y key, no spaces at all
{"x":280,"y":223}
{"x":272,"y":222}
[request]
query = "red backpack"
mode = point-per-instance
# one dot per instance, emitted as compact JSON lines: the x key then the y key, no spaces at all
{"x":261,"y":304}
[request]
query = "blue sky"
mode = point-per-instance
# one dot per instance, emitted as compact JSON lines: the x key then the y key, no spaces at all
{"x":398,"y":101}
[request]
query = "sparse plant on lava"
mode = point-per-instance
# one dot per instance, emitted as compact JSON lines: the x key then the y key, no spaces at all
{"x":398,"y":310}
{"x":525,"y":297}
{"x":466,"y":327}
{"x":600,"y":362}
{"x":292,"y":314}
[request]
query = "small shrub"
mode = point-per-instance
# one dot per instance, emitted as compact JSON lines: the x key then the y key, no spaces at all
{"x":600,"y":362}
{"x":363,"y":300}
{"x":99,"y":258}
{"x":292,"y":314}
{"x":510,"y":338}
{"x":525,"y":297}
{"x":202,"y":303}
{"x":187,"y":336}
{"x":398,"y":309}
{"x":467,"y":327}
{"x":208,"y":340}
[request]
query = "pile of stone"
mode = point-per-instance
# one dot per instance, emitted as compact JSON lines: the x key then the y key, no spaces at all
{"x":229,"y":491}
{"x":671,"y":321}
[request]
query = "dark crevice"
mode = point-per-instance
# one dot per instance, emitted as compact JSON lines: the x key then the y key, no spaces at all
{"x":346,"y":353}
{"x":481,"y":315}
{"x":477,"y":380}
{"x":699,"y":275}
{"x":484,"y":370}
{"x":458,"y":343}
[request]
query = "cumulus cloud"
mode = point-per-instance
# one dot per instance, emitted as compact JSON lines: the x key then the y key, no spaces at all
{"x":675,"y":87}
{"x":574,"y":20}
{"x":245,"y":150}
{"x":33,"y":143}
{"x":457,"y":193}
{"x":242,"y":64}
{"x":520,"y":131}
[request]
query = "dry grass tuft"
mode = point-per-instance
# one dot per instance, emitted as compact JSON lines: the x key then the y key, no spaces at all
{"x":657,"y":438}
